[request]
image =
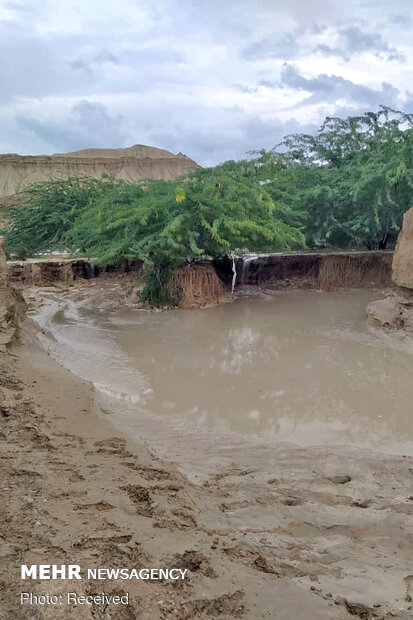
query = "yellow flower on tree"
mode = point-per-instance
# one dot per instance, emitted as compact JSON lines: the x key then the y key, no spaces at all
{"x":180,"y":194}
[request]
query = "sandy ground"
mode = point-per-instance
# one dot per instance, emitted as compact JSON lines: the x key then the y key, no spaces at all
{"x":333,"y":537}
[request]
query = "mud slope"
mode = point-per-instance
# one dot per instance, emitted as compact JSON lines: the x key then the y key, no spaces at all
{"x":10,"y":304}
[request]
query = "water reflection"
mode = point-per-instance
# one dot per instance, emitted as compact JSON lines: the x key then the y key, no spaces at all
{"x":302,"y":367}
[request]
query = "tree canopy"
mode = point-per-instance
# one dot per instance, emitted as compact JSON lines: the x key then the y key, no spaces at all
{"x":353,"y":179}
{"x":50,"y":210}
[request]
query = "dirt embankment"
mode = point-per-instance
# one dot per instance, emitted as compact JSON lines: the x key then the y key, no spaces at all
{"x":197,"y":286}
{"x":321,"y":270}
{"x":197,"y":282}
{"x":396,"y":310}
{"x":38,"y":272}
{"x":11,"y":304}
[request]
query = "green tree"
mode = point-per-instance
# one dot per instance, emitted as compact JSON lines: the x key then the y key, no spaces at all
{"x":50,"y":210}
{"x":356,"y":178}
{"x":208,"y":214}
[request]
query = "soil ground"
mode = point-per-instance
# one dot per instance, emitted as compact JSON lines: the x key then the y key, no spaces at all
{"x":338,"y":543}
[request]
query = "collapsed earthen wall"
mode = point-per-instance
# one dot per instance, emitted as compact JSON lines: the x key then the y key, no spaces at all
{"x":37,"y":272}
{"x":33,"y":272}
{"x":8,"y":302}
{"x":197,"y":286}
{"x":316,"y":270}
{"x":306,"y":270}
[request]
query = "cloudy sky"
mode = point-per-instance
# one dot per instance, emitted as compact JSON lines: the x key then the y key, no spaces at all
{"x":211,"y":78}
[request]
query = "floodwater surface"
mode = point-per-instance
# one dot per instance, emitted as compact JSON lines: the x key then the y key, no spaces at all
{"x":299,"y":366}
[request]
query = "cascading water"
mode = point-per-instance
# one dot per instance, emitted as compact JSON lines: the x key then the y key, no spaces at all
{"x":234,"y":275}
{"x":246,"y":263}
{"x":90,"y":270}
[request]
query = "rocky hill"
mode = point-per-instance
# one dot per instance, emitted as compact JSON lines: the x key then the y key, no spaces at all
{"x":130,"y":164}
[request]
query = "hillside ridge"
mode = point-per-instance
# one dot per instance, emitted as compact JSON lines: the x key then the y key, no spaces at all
{"x":132,"y":163}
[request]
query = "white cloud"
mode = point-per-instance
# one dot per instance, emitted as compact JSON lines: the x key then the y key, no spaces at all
{"x":208,"y":79}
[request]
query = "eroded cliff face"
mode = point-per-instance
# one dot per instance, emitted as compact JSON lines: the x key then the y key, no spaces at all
{"x":8,"y":305}
{"x":396,"y":310}
{"x":403,"y":255}
{"x":130,"y":164}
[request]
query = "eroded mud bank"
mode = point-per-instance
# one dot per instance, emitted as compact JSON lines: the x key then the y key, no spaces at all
{"x":324,"y":271}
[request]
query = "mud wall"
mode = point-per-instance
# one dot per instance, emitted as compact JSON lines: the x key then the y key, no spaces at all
{"x":302,"y":270}
{"x":312,"y":270}
{"x":34,"y":272}
{"x":44,"y":272}
{"x":197,"y":286}
{"x":10,"y":304}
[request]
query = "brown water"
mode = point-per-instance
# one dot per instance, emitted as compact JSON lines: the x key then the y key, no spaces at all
{"x":302,"y":367}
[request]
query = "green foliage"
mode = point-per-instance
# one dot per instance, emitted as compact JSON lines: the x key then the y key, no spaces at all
{"x":208,"y":214}
{"x":157,"y":291}
{"x":50,"y":210}
{"x":356,"y":178}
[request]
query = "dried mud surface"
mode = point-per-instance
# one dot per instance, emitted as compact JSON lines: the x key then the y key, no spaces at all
{"x":333,"y":534}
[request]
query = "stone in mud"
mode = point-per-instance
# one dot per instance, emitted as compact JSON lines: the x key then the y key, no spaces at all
{"x":386,"y":312}
{"x":141,"y":498}
{"x":358,"y":609}
{"x":403,"y":255}
{"x":362,"y":503}
{"x":262,"y":564}
{"x":393,"y":312}
{"x":340,"y":479}
{"x":194,"y":562}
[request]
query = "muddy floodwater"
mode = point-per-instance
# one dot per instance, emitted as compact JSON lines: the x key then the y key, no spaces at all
{"x":299,"y":366}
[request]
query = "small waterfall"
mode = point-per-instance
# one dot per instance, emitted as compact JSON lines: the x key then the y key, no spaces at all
{"x":90,"y":270}
{"x":234,"y":274}
{"x":246,"y":263}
